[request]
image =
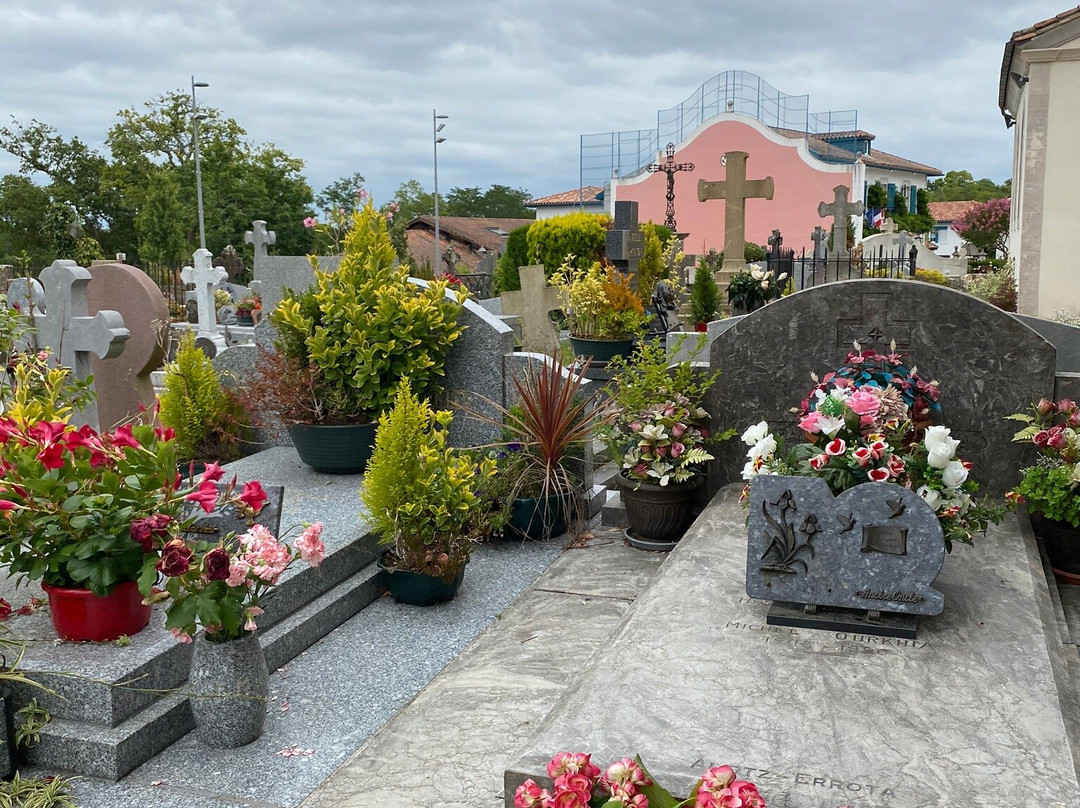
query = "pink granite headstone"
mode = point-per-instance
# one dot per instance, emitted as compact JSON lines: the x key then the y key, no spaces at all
{"x":123,"y":383}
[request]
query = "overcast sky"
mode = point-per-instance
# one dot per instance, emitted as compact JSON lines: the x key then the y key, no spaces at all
{"x":349,"y":85}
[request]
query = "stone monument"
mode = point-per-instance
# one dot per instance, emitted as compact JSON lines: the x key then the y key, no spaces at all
{"x":206,"y":277}
{"x":841,"y":212}
{"x":532,"y":304}
{"x":260,"y":238}
{"x":735,"y":189}
{"x":625,"y":241}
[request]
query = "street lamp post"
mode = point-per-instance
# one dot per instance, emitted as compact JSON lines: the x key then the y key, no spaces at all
{"x":437,"y":127}
{"x":195,"y":118}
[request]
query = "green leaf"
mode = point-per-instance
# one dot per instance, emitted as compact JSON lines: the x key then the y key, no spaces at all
{"x":209,"y":611}
{"x":658,"y":796}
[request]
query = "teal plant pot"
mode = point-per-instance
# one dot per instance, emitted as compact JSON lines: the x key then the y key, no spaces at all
{"x":537,"y":518}
{"x":418,"y":588}
{"x":601,"y":350}
{"x":343,"y":449}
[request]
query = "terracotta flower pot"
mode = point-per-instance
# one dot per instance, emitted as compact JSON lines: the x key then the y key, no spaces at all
{"x":701,"y":328}
{"x":658,"y":514}
{"x":229,"y":686}
{"x":81,"y":616}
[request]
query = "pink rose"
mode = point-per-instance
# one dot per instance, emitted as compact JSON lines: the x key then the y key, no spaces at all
{"x":809,"y":423}
{"x":530,"y":795}
{"x":1056,"y":438}
{"x":1040,"y":438}
{"x":818,"y":462}
{"x":896,"y":466}
{"x":878,"y":449}
{"x":310,"y":545}
{"x":678,"y":430}
{"x":835,"y":447}
{"x":661,"y":451}
{"x":635,"y":426}
{"x":863,"y":402}
{"x":878,"y":475}
{"x":1066,"y":405}
{"x":677,"y":449}
{"x":863,"y":456}
{"x":1044,"y":407}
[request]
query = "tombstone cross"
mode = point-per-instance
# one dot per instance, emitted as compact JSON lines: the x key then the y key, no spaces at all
{"x":820,"y":239}
{"x":670,"y":167}
{"x":888,"y":227}
{"x":259,"y":238}
{"x":532,"y":305}
{"x":625,"y":241}
{"x":71,"y":332}
{"x":205,"y":277}
{"x":776,"y":241}
{"x":841,"y":211}
{"x":875,"y":326}
{"x":735,"y":189}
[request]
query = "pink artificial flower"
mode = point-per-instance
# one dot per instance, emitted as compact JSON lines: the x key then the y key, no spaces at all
{"x":1044,"y":407}
{"x":574,"y":782}
{"x":661,"y":451}
{"x":1066,"y":405}
{"x":256,"y":535}
{"x":809,"y":422}
{"x":863,"y":456}
{"x":677,"y":449}
{"x":1056,"y":438}
{"x":863,"y":402}
{"x":238,"y":570}
{"x":626,"y":775}
{"x":206,"y":495}
{"x":818,"y":462}
{"x":678,"y":430}
{"x":310,"y":545}
{"x":717,"y":778}
{"x":253,"y":496}
{"x":572,"y":763}
{"x":1041,"y":438}
{"x":309,"y":222}
{"x":180,"y":636}
{"x":879,"y":475}
{"x":530,"y":795}
{"x":835,"y":447}
{"x":878,"y":449}
{"x":251,"y":613}
{"x":635,"y":426}
{"x":746,"y":794}
{"x":570,"y":799}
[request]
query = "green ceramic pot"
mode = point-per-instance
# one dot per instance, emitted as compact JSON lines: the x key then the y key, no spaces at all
{"x":418,"y":588}
{"x":343,"y":449}
{"x":537,"y":518}
{"x":601,"y":350}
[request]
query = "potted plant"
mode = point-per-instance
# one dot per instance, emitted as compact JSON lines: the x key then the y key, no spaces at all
{"x":751,"y":289}
{"x":704,"y":296}
{"x":347,"y":342}
{"x":657,"y":434}
{"x":208,"y":421}
{"x":420,"y":495}
{"x":248,"y":309}
{"x":219,"y":585}
{"x":858,"y":430}
{"x":1048,"y":487}
{"x":603,"y":312}
{"x":577,"y":782}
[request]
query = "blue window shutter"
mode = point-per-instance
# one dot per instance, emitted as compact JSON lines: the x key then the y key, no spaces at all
{"x":913,"y":205}
{"x":891,"y":196}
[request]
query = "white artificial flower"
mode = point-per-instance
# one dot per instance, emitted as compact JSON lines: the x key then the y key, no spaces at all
{"x":763,"y":449}
{"x":830,"y":424}
{"x":940,"y":456}
{"x":932,"y":497}
{"x":755,"y":433}
{"x":756,"y":274}
{"x":1075,"y":478}
{"x":954,"y":474}
{"x":939,"y":436}
{"x":653,"y":432}
{"x":748,"y":471}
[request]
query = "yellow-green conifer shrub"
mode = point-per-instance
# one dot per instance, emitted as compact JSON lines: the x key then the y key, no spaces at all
{"x":364,"y":327}
{"x":208,"y":422}
{"x":651,"y":267}
{"x":419,"y":492}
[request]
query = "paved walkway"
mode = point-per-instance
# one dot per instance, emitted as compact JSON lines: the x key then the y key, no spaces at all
{"x":450,"y":745}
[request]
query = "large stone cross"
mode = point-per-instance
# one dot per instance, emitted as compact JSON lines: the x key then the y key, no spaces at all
{"x":71,"y":332}
{"x":841,"y":211}
{"x":532,"y":305}
{"x":888,"y":227}
{"x":206,"y":277}
{"x":259,"y":238}
{"x":776,"y":241}
{"x":625,"y":241}
{"x":735,"y":189}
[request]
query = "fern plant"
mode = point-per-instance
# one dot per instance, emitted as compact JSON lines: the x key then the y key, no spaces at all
{"x":420,"y":493}
{"x":208,"y":421}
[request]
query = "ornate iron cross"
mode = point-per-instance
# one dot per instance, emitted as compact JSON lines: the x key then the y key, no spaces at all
{"x":670,"y":167}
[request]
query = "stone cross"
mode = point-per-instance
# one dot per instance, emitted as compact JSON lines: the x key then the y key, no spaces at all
{"x":888,"y":227}
{"x":820,"y":239}
{"x":532,"y":305}
{"x":875,"y":327}
{"x":841,"y":211}
{"x":735,"y":189}
{"x":71,"y":332}
{"x":625,"y":241}
{"x":776,"y":241}
{"x":259,"y":238}
{"x":205,"y":277}
{"x":670,"y":167}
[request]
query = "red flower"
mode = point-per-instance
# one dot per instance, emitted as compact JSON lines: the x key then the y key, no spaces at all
{"x":1040,"y":438}
{"x":253,"y":496}
{"x":123,"y":437}
{"x":175,"y":559}
{"x":878,"y":475}
{"x":52,"y":457}
{"x":213,"y":473}
{"x":5,"y":505}
{"x":142,"y":533}
{"x":206,"y":495}
{"x":8,"y":429}
{"x":1066,"y":405}
{"x":216,"y":564}
{"x":835,"y":447}
{"x":5,"y":609}
{"x":817,"y":462}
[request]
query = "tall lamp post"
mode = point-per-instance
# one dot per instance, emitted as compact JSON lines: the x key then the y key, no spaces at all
{"x":195,"y":118}
{"x":437,"y":127}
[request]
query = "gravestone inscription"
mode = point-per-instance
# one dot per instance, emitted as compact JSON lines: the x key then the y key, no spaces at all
{"x":220,"y":522}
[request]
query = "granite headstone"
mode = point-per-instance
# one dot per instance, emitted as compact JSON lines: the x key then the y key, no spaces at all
{"x":625,"y":241}
{"x":222,"y":521}
{"x":989,"y":364}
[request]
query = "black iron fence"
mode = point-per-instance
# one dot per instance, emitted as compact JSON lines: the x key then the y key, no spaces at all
{"x":168,"y":281}
{"x":805,"y":270}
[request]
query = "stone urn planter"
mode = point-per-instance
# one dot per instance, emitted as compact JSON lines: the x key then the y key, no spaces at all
{"x":343,"y":449}
{"x":229,"y":687}
{"x":418,"y":588}
{"x":601,"y":350}
{"x":1062,"y":542}
{"x":537,"y":518}
{"x":81,"y":616}
{"x":658,"y":514}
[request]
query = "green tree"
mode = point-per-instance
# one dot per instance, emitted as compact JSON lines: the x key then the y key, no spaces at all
{"x":160,"y":222}
{"x":507,"y":276}
{"x":342,"y":194}
{"x":961,"y":185}
{"x":23,"y":206}
{"x":502,"y":201}
{"x":414,"y":201}
{"x":651,"y":267}
{"x":582,"y":235}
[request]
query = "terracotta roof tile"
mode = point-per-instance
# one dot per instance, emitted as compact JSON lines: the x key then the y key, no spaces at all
{"x":589,"y":195}
{"x":848,"y":135}
{"x":472,"y":232}
{"x":886,"y":160}
{"x":951,"y":211}
{"x":1022,"y":37}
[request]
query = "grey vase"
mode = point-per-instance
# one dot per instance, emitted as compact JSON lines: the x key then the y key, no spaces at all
{"x":229,"y":687}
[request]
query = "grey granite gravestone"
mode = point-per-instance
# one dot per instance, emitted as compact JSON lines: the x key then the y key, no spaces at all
{"x":276,"y":272}
{"x":876,"y":547}
{"x":979,"y":711}
{"x":27,"y":294}
{"x":625,"y":241}
{"x":223,"y":521}
{"x":989,"y":364}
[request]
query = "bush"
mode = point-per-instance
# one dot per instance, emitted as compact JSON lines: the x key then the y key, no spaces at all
{"x":582,"y":235}
{"x":752,"y":251}
{"x":651,"y":267}
{"x":997,"y":287}
{"x":931,"y":276}
{"x":208,"y":421}
{"x":516,"y":256}
{"x":363,"y":328}
{"x":704,"y":295}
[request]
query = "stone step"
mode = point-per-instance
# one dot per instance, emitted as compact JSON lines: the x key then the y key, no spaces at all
{"x":110,"y":752}
{"x":613,"y":513}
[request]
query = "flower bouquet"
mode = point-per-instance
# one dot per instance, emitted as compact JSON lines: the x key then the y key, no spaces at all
{"x":1049,"y":486}
{"x":866,"y":422}
{"x":578,"y":783}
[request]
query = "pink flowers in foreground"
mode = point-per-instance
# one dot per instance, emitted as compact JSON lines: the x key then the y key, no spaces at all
{"x":626,"y":784}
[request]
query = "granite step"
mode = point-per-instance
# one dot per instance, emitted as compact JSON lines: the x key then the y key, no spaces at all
{"x":614,"y":513}
{"x":110,"y":752}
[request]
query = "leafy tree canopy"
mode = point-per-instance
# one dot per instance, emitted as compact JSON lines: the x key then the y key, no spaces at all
{"x":960,"y":185}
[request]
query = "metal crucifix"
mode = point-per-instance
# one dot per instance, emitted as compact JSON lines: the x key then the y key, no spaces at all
{"x":669,"y":167}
